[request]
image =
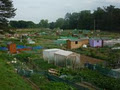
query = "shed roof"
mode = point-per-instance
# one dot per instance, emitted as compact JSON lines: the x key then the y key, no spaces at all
{"x":55,"y":49}
{"x":117,"y":70}
{"x":78,"y":40}
{"x":63,"y":53}
{"x":100,"y":38}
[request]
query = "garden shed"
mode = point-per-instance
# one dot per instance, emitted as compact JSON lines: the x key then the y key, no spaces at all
{"x":48,"y":55}
{"x":67,"y":59}
{"x":12,"y":48}
{"x":74,"y":44}
{"x":94,"y":42}
{"x":63,"y":40}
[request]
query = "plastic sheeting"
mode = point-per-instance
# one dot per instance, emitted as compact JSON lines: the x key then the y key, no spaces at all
{"x":48,"y":55}
{"x":62,"y":58}
{"x":33,"y":48}
{"x":104,"y":71}
{"x":3,"y":48}
{"x":22,"y":47}
{"x":67,"y":59}
{"x":37,"y":47}
{"x":111,"y":42}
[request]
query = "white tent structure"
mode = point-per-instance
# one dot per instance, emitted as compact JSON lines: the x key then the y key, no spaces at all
{"x":67,"y":59}
{"x":48,"y":55}
{"x":62,"y":58}
{"x":111,"y":42}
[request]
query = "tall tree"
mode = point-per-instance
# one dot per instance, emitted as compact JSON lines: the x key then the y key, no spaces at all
{"x":52,"y":25}
{"x":59,"y":23}
{"x":85,"y":20}
{"x":99,"y":16}
{"x":67,"y":21}
{"x":73,"y":22}
{"x":44,"y":23}
{"x":6,"y":11}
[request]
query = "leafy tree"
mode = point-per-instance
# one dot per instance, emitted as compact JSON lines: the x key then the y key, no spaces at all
{"x":99,"y":16}
{"x":59,"y":23}
{"x":6,"y":11}
{"x":22,"y":24}
{"x":31,"y":24}
{"x":67,"y":21}
{"x":13,"y":24}
{"x":52,"y":25}
{"x":44,"y":23}
{"x":74,"y":20}
{"x":85,"y":20}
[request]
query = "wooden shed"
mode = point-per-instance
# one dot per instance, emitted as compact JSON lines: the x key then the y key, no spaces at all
{"x":12,"y":48}
{"x":74,"y":44}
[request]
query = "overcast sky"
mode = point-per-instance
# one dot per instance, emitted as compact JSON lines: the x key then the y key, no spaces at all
{"x":35,"y":10}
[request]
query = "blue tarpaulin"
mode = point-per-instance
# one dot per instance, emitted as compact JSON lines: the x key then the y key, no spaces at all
{"x":22,"y":47}
{"x":34,"y":48}
{"x":3,"y":48}
{"x":37,"y":47}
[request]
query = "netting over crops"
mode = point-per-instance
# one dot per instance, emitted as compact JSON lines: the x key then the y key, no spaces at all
{"x":104,"y":71}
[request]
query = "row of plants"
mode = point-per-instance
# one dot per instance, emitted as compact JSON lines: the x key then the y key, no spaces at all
{"x":93,"y":77}
{"x":110,"y":56}
{"x":45,"y":84}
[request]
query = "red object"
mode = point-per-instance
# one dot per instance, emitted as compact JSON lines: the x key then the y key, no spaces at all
{"x":25,"y":49}
{"x":12,"y":48}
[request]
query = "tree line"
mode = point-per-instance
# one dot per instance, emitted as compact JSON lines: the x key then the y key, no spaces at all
{"x":105,"y":18}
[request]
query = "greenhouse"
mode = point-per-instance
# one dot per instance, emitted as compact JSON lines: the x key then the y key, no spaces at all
{"x":67,"y":59}
{"x":62,"y":58}
{"x":48,"y":55}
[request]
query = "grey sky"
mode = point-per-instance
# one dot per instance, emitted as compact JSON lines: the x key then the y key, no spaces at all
{"x":35,"y":10}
